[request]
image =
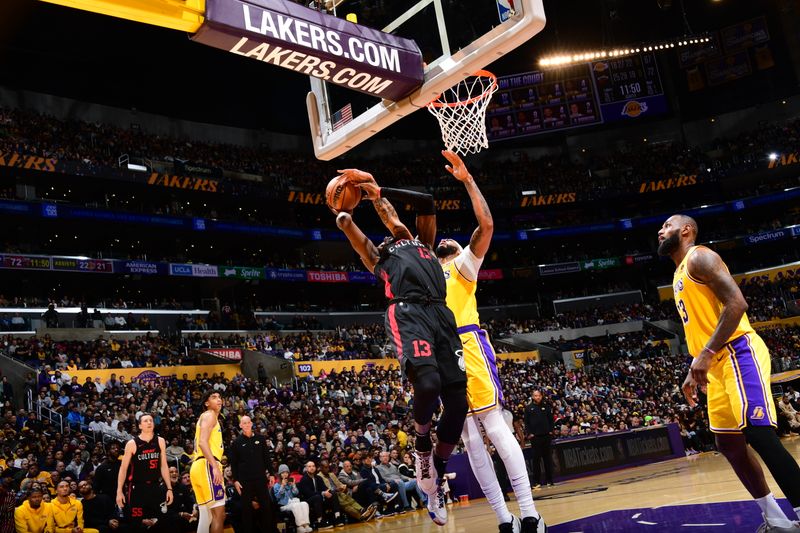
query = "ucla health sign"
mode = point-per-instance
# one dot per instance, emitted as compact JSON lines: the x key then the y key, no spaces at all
{"x":177,"y":269}
{"x":313,"y":43}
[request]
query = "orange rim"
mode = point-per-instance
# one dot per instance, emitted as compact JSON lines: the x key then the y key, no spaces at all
{"x":481,"y":73}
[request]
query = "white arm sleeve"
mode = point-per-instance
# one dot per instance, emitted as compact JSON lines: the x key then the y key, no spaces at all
{"x":468,"y":264}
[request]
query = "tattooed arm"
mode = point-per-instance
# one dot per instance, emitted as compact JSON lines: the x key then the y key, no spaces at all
{"x":422,"y":203}
{"x":390,"y":219}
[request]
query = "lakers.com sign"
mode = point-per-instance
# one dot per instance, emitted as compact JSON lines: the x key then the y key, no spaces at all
{"x":313,"y":43}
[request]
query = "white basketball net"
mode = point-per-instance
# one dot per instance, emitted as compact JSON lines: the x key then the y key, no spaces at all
{"x":461,"y":112}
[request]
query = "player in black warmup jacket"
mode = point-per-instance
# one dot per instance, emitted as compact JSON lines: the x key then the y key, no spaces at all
{"x":144,"y":461}
{"x":419,"y":324}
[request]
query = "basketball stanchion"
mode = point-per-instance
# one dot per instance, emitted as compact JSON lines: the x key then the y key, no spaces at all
{"x":461,"y":112}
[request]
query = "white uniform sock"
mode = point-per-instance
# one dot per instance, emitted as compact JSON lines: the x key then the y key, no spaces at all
{"x":204,"y":519}
{"x":481,"y":464}
{"x":510,"y":452}
{"x":772,"y":512}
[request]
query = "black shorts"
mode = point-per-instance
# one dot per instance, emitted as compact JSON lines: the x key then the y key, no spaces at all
{"x":144,"y":501}
{"x":426,"y":334}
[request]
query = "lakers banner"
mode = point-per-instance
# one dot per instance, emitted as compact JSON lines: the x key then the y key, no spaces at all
{"x":183,"y":182}
{"x":784,"y":160}
{"x":155,"y":373}
{"x":317,"y":198}
{"x":537,"y":200}
{"x":305,"y":368}
{"x":31,"y":162}
{"x":670,"y":183}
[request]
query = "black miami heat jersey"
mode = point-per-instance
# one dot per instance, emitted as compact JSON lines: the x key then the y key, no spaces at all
{"x":410,"y":270}
{"x":146,"y":462}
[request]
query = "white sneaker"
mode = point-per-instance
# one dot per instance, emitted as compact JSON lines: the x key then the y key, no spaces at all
{"x":767,"y":527}
{"x":426,"y":473}
{"x":437,"y":508}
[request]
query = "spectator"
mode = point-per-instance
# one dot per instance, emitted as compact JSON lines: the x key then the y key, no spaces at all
{"x":321,"y":500}
{"x":51,"y":316}
{"x":34,"y":515}
{"x":375,"y":482}
{"x":99,"y":511}
{"x":391,"y":474}
{"x":67,"y":510}
{"x":348,"y":505}
{"x":286,"y":494}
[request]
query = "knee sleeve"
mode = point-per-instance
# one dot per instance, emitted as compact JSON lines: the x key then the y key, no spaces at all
{"x":454,"y":399}
{"x":473,"y":442}
{"x":427,"y":387}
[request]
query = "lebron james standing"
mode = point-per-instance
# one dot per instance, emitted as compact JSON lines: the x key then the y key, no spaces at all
{"x":734,"y":363}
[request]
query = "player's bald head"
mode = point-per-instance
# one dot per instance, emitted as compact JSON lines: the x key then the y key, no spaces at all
{"x":683,"y":221}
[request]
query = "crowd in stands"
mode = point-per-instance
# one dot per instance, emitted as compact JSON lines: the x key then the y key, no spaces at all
{"x":595,"y":316}
{"x":784,"y":346}
{"x":65,"y":356}
{"x":606,"y":173}
{"x":600,"y":347}
{"x":363,"y":341}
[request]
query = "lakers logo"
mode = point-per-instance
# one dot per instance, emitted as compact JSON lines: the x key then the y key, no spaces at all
{"x":758,"y":413}
{"x":679,"y":286}
{"x":633,"y":109}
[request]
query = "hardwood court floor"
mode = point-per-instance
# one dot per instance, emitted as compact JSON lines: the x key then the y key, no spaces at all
{"x":705,"y":490}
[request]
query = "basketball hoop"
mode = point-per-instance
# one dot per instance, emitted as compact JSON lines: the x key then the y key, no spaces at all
{"x":461,"y":112}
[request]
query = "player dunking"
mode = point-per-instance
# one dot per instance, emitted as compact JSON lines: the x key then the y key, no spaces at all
{"x":420,"y":325}
{"x":206,"y":470}
{"x":143,"y":462}
{"x":484,"y":393}
{"x":734,"y":363}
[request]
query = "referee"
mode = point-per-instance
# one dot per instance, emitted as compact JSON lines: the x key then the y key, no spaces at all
{"x":249,"y":458}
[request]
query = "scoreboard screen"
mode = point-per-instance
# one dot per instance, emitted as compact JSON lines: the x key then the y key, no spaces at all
{"x":25,"y":262}
{"x":626,"y":78}
{"x":536,"y":102}
{"x":578,"y":95}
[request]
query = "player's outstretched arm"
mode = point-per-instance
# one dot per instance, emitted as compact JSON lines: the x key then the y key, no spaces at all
{"x":360,"y":243}
{"x":482,"y":236}
{"x":706,"y":266}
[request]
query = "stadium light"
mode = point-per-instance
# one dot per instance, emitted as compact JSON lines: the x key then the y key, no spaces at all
{"x":773,"y":156}
{"x":528,"y":193}
{"x":137,"y":168}
{"x":570,"y":58}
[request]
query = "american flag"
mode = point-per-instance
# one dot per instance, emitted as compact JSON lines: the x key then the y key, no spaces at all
{"x":342,"y":117}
